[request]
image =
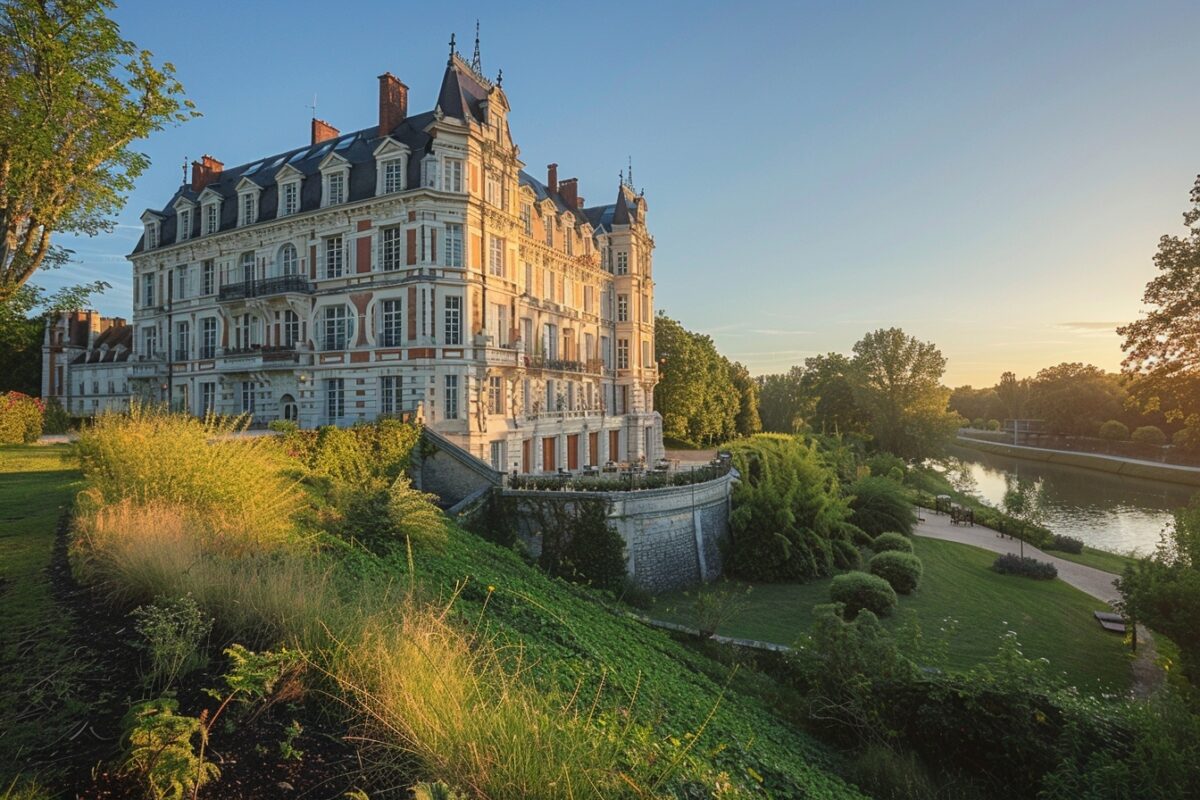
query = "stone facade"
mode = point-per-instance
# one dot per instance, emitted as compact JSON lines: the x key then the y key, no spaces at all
{"x":672,"y":535}
{"x":85,"y":362}
{"x":412,"y":267}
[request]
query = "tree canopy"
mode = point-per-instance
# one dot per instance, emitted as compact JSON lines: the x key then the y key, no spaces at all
{"x":74,"y":96}
{"x":1075,"y":398}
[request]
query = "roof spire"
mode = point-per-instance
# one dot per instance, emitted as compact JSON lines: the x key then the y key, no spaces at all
{"x":314,"y":106}
{"x":476,"y":65}
{"x":185,"y":178}
{"x":450,"y":59}
{"x":630,"y":172}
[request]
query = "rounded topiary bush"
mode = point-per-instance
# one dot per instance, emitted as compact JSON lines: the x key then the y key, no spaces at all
{"x":1149,"y":434}
{"x":993,"y":425}
{"x":891,"y":541}
{"x":902,"y":571}
{"x":1187,"y":439}
{"x":879,"y":505}
{"x":859,"y":590}
{"x":978,"y":423}
{"x":1114,"y":430}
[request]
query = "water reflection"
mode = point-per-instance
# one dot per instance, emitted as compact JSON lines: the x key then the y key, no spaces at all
{"x":1105,"y":511}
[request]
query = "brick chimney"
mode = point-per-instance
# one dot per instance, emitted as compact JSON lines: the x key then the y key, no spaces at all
{"x":569,"y":189}
{"x":393,"y":103}
{"x":205,"y":171}
{"x":552,"y":178}
{"x":579,"y":202}
{"x":322,"y":131}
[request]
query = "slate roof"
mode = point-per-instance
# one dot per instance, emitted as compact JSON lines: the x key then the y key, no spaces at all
{"x":113,"y":346}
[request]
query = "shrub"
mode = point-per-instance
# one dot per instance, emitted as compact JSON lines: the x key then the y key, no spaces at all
{"x":891,"y":541}
{"x":381,"y":515}
{"x":161,"y":750}
{"x":174,"y":630}
{"x":20,"y":418}
{"x":978,"y":423}
{"x":993,"y":424}
{"x":716,"y":605}
{"x":1187,"y":438}
{"x":1012,"y":564}
{"x":859,"y":590}
{"x":579,"y":543}
{"x":846,"y":555}
{"x":1149,"y":434}
{"x":56,"y":419}
{"x":902,"y":571}
{"x":882,"y":464}
{"x":1066,"y":544}
{"x":1114,"y":431}
{"x":283,"y":426}
{"x":879,"y":505}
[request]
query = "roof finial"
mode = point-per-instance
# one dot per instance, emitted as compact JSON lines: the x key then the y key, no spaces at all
{"x":499,"y":79}
{"x":450,"y":60}
{"x":476,"y":65}
{"x":185,"y":180}
{"x":630,"y":172}
{"x":314,"y":106}
{"x":620,"y":177}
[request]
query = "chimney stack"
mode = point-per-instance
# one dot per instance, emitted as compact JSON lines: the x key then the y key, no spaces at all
{"x":569,"y":189}
{"x":393,"y":103}
{"x":322,"y":131}
{"x":205,"y":171}
{"x":552,"y":178}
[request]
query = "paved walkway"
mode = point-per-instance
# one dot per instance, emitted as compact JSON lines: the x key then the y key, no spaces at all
{"x":1144,"y":462}
{"x":1097,"y":583}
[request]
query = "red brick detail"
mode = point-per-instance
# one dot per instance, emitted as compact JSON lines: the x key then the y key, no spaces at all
{"x":205,"y":171}
{"x":411,"y":313}
{"x":363,"y":254}
{"x":410,"y":245}
{"x":359,"y":357}
{"x":569,"y":189}
{"x":412,"y":216}
{"x":393,"y":103}
{"x":364,"y":225}
{"x":322,"y":131}
{"x":421,"y":352}
{"x":552,"y":177}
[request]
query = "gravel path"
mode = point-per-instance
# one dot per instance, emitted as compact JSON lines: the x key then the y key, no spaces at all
{"x":1097,"y":583}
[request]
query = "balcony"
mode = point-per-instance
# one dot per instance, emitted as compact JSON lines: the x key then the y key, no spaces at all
{"x":257,"y":356}
{"x":265,"y":287}
{"x":593,"y":366}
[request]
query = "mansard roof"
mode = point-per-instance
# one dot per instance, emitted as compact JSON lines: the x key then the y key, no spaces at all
{"x":462,"y":90}
{"x":114,"y":345}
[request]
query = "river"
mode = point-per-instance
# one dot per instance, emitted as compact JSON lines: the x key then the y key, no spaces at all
{"x":1108,"y":512}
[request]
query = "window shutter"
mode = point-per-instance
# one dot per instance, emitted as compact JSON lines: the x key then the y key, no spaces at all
{"x":411,"y":246}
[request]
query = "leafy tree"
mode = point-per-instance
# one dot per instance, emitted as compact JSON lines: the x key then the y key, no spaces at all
{"x":74,"y":96}
{"x":828,"y":388}
{"x":696,"y":394}
{"x":747,"y":422}
{"x":22,"y":328}
{"x":1076,"y":398}
{"x":897,"y":382}
{"x":1013,"y":395}
{"x":971,"y":403}
{"x":1163,"y":346}
{"x":781,"y":402}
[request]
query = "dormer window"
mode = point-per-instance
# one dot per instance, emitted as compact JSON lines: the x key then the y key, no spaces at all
{"x":151,"y":235}
{"x":184,"y":229}
{"x":391,"y":166}
{"x":393,"y":175}
{"x":335,"y":186}
{"x":152,"y":227}
{"x":335,"y":180}
{"x":247,"y":208}
{"x":289,"y":197}
{"x":210,"y":216}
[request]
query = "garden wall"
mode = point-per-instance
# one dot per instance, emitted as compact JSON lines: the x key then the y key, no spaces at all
{"x":672,"y":535}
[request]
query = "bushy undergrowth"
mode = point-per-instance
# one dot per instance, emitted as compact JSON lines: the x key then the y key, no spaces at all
{"x":1012,"y":564}
{"x":858,"y":591}
{"x":20,"y":418}
{"x":880,"y":505}
{"x":892,"y":541}
{"x":902,"y":571}
{"x":1064,"y":543}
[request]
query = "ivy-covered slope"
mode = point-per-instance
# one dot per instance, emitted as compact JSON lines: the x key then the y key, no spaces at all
{"x":567,"y":636}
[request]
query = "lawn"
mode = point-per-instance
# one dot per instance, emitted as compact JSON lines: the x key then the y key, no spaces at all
{"x":1100,"y":559}
{"x":1052,"y":620}
{"x":41,"y":678}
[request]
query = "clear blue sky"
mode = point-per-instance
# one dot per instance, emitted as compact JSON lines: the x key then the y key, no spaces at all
{"x":991,"y":177}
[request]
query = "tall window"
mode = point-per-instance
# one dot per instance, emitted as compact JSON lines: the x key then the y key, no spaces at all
{"x":547,"y":285}
{"x":244,"y":331}
{"x":185,"y":224}
{"x":182,"y":343}
{"x":495,"y":395}
{"x":148,"y":289}
{"x":208,"y":337}
{"x":181,"y":282}
{"x":290,"y":203}
{"x":249,"y":208}
{"x":393,"y":175}
{"x":334,"y":261}
{"x":247,"y":267}
{"x":336,"y":184}
{"x":208,"y":397}
{"x":335,"y":398}
{"x":389,"y":394}
{"x":335,"y":328}
{"x":496,"y":256}
{"x":589,"y":297}
{"x":212,"y":217}
{"x":527,"y":218}
{"x":528,"y":278}
{"x":289,"y":261}
{"x":247,"y":397}
{"x":451,"y":397}
{"x":390,"y":246}
{"x":454,"y":244}
{"x":151,"y":235}
{"x":549,"y":231}
{"x":622,"y":262}
{"x":454,"y":175}
{"x":453,"y":319}
{"x":622,"y":308}
{"x":291,"y":328}
{"x":622,"y":354}
{"x":391,"y":327}
{"x":492,"y":190}
{"x":208,"y":273}
{"x":569,"y":240}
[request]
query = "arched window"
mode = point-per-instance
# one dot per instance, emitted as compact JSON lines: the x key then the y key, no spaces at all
{"x":288,"y":263}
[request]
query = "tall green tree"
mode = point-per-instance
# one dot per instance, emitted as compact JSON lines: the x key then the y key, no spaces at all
{"x":1013,"y":395}
{"x":1075,"y":398}
{"x":747,"y":422}
{"x":22,"y":327}
{"x":696,"y":394}
{"x":781,"y":401}
{"x":1163,"y":346}
{"x":74,"y":96}
{"x":830,"y":404}
{"x":897,"y":383}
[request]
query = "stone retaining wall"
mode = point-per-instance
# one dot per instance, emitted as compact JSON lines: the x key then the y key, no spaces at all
{"x":672,"y":535}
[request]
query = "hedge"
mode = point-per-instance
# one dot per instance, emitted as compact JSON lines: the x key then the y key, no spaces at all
{"x":1066,"y":544}
{"x":891,"y":541}
{"x":860,"y":590}
{"x":1011,"y":564}
{"x":902,"y":571}
{"x":20,"y":418}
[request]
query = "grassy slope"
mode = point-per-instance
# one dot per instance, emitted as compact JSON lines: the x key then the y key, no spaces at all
{"x":566,"y":637}
{"x":1100,"y":559}
{"x":40,"y":675}
{"x":1052,"y":620}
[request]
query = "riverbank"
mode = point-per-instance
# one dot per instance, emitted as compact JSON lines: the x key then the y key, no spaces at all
{"x":1114,"y":465}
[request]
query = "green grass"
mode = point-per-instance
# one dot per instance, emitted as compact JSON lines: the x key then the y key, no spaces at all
{"x":1100,"y":559}
{"x":1052,"y":619}
{"x":40,"y":676}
